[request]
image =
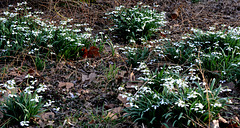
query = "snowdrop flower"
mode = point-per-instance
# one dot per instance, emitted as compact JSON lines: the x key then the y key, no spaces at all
{"x":36,"y":99}
{"x":28,"y":76}
{"x":49,"y":103}
{"x":199,"y":105}
{"x":11,"y":82}
{"x":27,"y":90}
{"x":24,"y":123}
{"x":42,"y":88}
{"x":181,"y":103}
{"x":33,"y":82}
{"x":217,"y":105}
{"x":12,"y":95}
{"x":193,"y":95}
{"x":121,"y":88}
{"x":3,"y":91}
{"x":56,"y":109}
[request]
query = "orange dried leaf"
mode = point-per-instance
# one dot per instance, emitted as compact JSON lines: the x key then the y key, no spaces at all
{"x":85,"y":53}
{"x":176,"y":13}
{"x":163,"y":35}
{"x":93,"y":52}
{"x":91,"y":122}
{"x":68,"y":85}
{"x":31,"y":71}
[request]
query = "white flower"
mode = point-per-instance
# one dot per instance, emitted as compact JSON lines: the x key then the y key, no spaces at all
{"x":28,"y":76}
{"x":56,"y":109}
{"x":24,"y":123}
{"x":181,"y":103}
{"x":36,"y":99}
{"x":42,"y":88}
{"x":3,"y":91}
{"x":199,"y":105}
{"x":217,"y":105}
{"x":121,"y":88}
{"x":49,"y":103}
{"x":33,"y":82}
{"x":181,"y":83}
{"x":12,"y":95}
{"x":88,"y":29}
{"x":193,"y":95}
{"x":11,"y":82}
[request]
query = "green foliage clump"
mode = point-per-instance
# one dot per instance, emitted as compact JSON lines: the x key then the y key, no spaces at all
{"x":24,"y":33}
{"x":20,"y":108}
{"x":136,"y":55}
{"x":181,"y":100}
{"x":216,"y":52}
{"x":137,"y":23}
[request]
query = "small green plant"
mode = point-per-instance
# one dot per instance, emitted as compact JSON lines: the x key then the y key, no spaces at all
{"x":195,"y":1}
{"x":40,"y":63}
{"x":20,"y":108}
{"x":137,"y":23}
{"x":100,"y":118}
{"x":111,"y":72}
{"x":136,"y":55}
{"x":179,"y":53}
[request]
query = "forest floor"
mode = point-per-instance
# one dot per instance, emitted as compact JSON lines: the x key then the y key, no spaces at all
{"x":83,"y":89}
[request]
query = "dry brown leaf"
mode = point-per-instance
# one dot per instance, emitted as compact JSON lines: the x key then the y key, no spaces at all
{"x":221,"y":119}
{"x":132,"y":77}
{"x":61,"y":84}
{"x":121,"y":98}
{"x":47,"y":116}
{"x":84,"y":78}
{"x":176,"y":12}
{"x":111,"y":115}
{"x":50,"y":123}
{"x":117,"y":110}
{"x":91,"y":122}
{"x":31,"y":71}
{"x":68,"y":85}
{"x":122,"y":73}
{"x":41,"y":123}
{"x":133,"y":84}
{"x":92,"y":77}
{"x":13,"y":73}
{"x":109,"y":106}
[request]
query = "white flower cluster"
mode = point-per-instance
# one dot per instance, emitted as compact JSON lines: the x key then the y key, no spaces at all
{"x":144,"y":16}
{"x":143,"y":68}
{"x":10,"y":84}
{"x":130,"y":50}
{"x":183,"y":93}
{"x":46,"y":32}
